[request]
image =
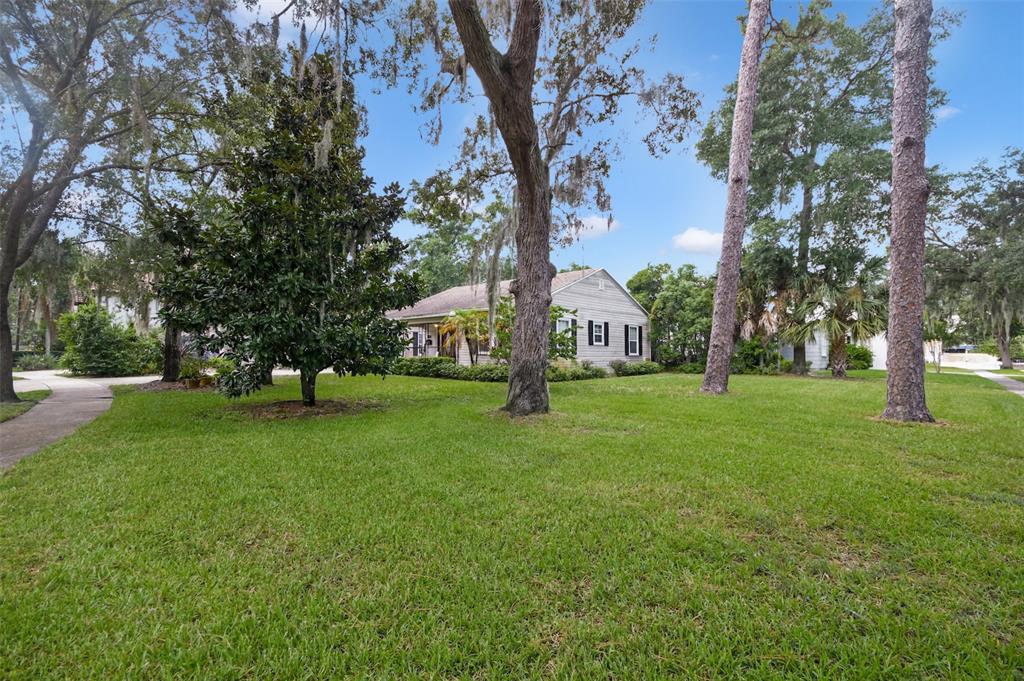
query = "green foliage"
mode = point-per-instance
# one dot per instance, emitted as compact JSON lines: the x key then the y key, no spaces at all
{"x":690,"y":368}
{"x":95,"y":346}
{"x":621,"y":367}
{"x":298,"y":267}
{"x":465,"y":326}
{"x":192,"y":368}
{"x":680,"y":312}
{"x":646,"y":284}
{"x":442,"y":256}
{"x":561,"y":344}
{"x":446,"y":367}
{"x":32,"y":362}
{"x":754,"y":357}
{"x":859,"y":357}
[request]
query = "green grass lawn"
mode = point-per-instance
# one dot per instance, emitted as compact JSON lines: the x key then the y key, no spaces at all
{"x":641,"y":530}
{"x":8,"y":410}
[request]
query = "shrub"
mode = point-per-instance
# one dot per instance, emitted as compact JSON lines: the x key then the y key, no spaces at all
{"x":220,"y":366}
{"x":445,"y":367}
{"x":623,"y":368}
{"x":858,"y":357}
{"x":751,"y":357}
{"x":36,"y":362}
{"x":786,"y":366}
{"x":691,"y":368}
{"x":96,"y":346}
{"x":191,"y":368}
{"x":575,"y":373}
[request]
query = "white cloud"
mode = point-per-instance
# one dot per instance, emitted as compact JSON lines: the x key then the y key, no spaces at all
{"x":597,"y":225}
{"x":697,"y":240}
{"x":946,"y":112}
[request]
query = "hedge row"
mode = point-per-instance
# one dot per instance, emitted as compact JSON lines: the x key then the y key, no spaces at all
{"x":624,"y":368}
{"x":445,"y":367}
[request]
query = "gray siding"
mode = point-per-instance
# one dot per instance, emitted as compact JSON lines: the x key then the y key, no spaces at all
{"x":608,"y":304}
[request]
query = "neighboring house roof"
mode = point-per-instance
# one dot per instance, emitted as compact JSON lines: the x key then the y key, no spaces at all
{"x":474,"y":297}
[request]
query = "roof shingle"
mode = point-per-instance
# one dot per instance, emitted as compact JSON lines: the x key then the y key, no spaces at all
{"x":472,"y":297}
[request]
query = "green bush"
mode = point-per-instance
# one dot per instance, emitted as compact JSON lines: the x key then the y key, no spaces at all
{"x":191,"y":368}
{"x":623,"y":368}
{"x":751,"y":357}
{"x":583,"y":372}
{"x":691,"y":368}
{"x":445,"y":367}
{"x":858,"y":357}
{"x":96,"y":346}
{"x":786,"y":366}
{"x":36,"y":362}
{"x":220,"y":366}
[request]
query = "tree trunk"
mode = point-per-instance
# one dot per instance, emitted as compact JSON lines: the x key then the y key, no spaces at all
{"x":17,"y":319}
{"x":1003,"y":344}
{"x":723,"y":323}
{"x":268,"y":377}
{"x":307,"y":379}
{"x":507,"y":80}
{"x":837,"y":355}
{"x":800,"y":358}
{"x":172,"y":353}
{"x":905,"y":361}
{"x":803,"y":258}
{"x":7,"y":393}
{"x":46,"y":317}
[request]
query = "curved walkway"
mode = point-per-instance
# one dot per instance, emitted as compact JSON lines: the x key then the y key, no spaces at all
{"x":1014,"y":386}
{"x":74,"y":401}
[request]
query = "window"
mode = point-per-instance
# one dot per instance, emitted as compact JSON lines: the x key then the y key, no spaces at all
{"x":633,"y":341}
{"x":598,"y":333}
{"x":563,"y":325}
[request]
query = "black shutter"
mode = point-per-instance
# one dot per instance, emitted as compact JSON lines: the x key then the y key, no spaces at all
{"x":590,"y":332}
{"x":627,"y":340}
{"x":606,"y":333}
{"x":640,"y":340}
{"x":575,"y":336}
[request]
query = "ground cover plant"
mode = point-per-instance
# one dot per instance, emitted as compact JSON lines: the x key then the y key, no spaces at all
{"x":8,"y":410}
{"x":640,"y":530}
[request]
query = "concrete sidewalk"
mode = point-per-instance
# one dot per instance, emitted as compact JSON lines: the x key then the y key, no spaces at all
{"x":1014,"y":386}
{"x":74,"y":401}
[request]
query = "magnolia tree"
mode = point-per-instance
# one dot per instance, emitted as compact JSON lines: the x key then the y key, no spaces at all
{"x":298,"y":267}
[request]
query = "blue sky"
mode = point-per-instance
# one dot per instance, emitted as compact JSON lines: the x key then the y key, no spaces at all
{"x":981,"y":66}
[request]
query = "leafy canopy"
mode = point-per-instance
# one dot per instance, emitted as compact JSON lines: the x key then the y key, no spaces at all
{"x":297,"y":267}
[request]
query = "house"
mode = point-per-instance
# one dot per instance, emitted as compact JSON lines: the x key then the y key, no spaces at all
{"x":610,"y":325}
{"x":816,"y":352}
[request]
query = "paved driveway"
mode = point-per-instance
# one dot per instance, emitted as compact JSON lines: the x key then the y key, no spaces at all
{"x":74,"y":401}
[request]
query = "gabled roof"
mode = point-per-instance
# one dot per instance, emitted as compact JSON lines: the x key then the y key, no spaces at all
{"x":474,"y":297}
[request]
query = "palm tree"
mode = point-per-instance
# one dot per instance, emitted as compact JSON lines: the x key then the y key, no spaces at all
{"x":465,"y":325}
{"x":847,"y":303}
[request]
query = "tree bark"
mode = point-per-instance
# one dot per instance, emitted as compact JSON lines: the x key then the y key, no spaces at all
{"x":7,"y":393}
{"x":172,"y":353}
{"x":268,"y":377}
{"x":803,"y":258}
{"x":905,"y":362}
{"x":1003,"y":345}
{"x":837,"y":354}
{"x":507,"y":80}
{"x":307,"y":379}
{"x":723,"y":323}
